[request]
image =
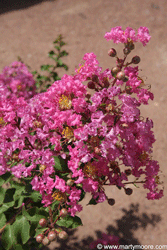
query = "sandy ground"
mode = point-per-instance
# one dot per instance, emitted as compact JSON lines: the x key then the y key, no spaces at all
{"x":28,"y":29}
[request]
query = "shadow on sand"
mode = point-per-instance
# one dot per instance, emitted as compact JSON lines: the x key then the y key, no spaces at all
{"x":10,"y":5}
{"x":130,"y":222}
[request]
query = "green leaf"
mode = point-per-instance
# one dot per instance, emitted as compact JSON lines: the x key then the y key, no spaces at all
{"x":21,"y":228}
{"x":51,"y":53}
{"x":55,"y":203}
{"x":52,"y":147}
{"x":63,"y":53}
{"x":35,"y":196}
{"x":34,"y":214}
{"x":40,"y":231}
{"x":2,"y":195}
{"x":46,"y":67}
{"x":62,"y":43}
{"x":57,"y":47}
{"x":60,"y":164}
{"x":92,"y":202}
{"x":8,"y":239}
{"x":9,"y":195}
{"x":34,"y":72}
{"x":6,"y":206}
{"x":65,"y":66}
{"x":19,"y":201}
{"x":69,"y":222}
{"x":5,"y":178}
{"x":2,"y":220}
{"x":59,"y":63}
{"x":18,"y":247}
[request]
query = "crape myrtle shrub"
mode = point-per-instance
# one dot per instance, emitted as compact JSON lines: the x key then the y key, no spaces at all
{"x":57,"y":145}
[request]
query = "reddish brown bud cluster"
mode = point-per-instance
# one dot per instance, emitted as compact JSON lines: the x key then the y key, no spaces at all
{"x":136,"y":59}
{"x":43,"y":222}
{"x":111,"y":202}
{"x":112,"y":52}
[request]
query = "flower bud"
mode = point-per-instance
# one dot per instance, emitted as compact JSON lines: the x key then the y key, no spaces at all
{"x":136,"y":59}
{"x":52,"y":235}
{"x":88,"y":96}
{"x":128,"y":90}
{"x":70,"y":182}
{"x":43,"y":222}
{"x":95,"y":78}
{"x":115,"y":70}
{"x":128,"y":171}
{"x":97,"y":150}
{"x":39,"y":238}
{"x":120,"y":75}
{"x":45,"y":241}
{"x":111,"y":202}
{"x":131,"y":45}
{"x":91,"y":85}
{"x":63,"y":212}
{"x":126,"y":51}
{"x":112,"y":52}
{"x":63,"y":235}
{"x":128,"y":191}
{"x":126,"y":78}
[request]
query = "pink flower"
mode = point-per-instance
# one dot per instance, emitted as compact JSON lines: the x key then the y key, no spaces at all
{"x":74,"y":194}
{"x":120,"y":36}
{"x":74,"y":208}
{"x":89,"y":185}
{"x":143,"y":35}
{"x":60,"y":184}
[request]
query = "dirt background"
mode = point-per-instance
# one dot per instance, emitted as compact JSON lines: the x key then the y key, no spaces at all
{"x":28,"y":28}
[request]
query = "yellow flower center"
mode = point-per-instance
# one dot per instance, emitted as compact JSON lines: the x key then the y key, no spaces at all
{"x":68,"y":133}
{"x":19,"y":87}
{"x":2,"y":122}
{"x":143,"y":156}
{"x":42,"y":168}
{"x":59,"y":196}
{"x":90,"y":169}
{"x":80,"y":67}
{"x":65,"y":103}
{"x":37,"y":124}
{"x":94,"y":141}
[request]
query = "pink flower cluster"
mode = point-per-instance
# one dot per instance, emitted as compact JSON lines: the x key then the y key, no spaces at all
{"x":118,"y":35}
{"x":16,"y":80}
{"x":101,"y":139}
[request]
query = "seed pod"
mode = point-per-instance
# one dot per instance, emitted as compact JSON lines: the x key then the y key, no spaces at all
{"x":63,"y":235}
{"x":128,"y":171}
{"x":111,"y":202}
{"x":45,"y":241}
{"x":128,"y":191}
{"x":39,"y":238}
{"x":63,"y":212}
{"x":112,"y":52}
{"x":43,"y":222}
{"x":91,"y":85}
{"x":121,"y":75}
{"x":126,"y":78}
{"x":115,"y":70}
{"x":126,"y":51}
{"x":52,"y":235}
{"x":70,"y":182}
{"x":136,"y":59}
{"x":95,"y":78}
